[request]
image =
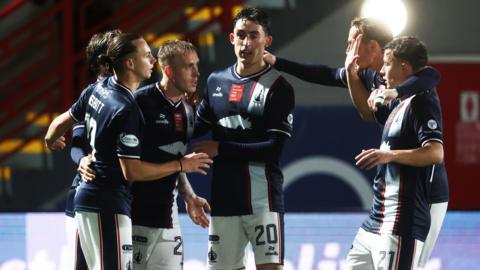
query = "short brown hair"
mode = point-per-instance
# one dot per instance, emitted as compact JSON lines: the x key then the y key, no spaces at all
{"x":409,"y":49}
{"x":373,"y":29}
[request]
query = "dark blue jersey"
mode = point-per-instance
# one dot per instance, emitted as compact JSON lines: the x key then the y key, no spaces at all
{"x":168,"y":128}
{"x":424,"y":80}
{"x":114,"y":126}
{"x":79,"y":149}
{"x":250,"y":117}
{"x":401,"y":192}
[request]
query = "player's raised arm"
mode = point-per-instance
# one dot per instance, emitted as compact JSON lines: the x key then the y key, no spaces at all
{"x":58,"y":127}
{"x":358,"y":93}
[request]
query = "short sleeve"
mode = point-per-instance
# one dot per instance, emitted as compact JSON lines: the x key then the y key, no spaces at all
{"x":78,"y":109}
{"x":427,"y":118}
{"x":130,"y":122}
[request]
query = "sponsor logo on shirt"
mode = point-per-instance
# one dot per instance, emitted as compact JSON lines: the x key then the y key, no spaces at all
{"x":217,"y":93}
{"x":235,"y":122}
{"x":162,"y":119}
{"x":129,"y":140}
{"x":236,"y":92}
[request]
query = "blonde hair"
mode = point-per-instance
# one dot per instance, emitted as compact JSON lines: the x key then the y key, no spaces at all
{"x":168,"y":50}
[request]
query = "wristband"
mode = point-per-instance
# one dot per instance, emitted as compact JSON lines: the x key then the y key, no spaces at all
{"x":181,"y":166}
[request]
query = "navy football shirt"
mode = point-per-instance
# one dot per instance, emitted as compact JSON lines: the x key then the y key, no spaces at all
{"x":401,"y":193}
{"x":168,"y":128}
{"x":424,"y":80}
{"x":114,"y":126}
{"x":243,"y":113}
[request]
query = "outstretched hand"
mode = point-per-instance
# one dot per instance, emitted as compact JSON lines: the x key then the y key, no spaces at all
{"x":197,"y":209}
{"x":196,"y":162}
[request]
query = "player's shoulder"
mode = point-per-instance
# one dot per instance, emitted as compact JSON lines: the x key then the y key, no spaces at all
{"x":281,"y":83}
{"x":145,"y":90}
{"x":425,"y":98}
{"x":425,"y":101}
{"x":221,"y":74}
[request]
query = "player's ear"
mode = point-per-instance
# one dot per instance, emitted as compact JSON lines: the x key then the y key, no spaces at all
{"x":231,"y":37}
{"x":168,"y":71}
{"x":129,"y":64}
{"x":269,"y":40}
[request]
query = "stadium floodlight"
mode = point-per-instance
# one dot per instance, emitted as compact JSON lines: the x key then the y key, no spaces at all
{"x":392,"y":12}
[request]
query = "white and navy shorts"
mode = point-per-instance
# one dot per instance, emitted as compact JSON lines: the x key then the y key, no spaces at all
{"x":157,"y":248}
{"x":106,"y":240}
{"x":383,"y":251}
{"x":75,"y":258}
{"x":229,"y":236}
{"x":437,"y":215}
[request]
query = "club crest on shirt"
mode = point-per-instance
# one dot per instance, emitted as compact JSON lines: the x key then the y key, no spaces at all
{"x":178,"y":118}
{"x":432,"y":124}
{"x":236,"y":92}
{"x":129,"y":140}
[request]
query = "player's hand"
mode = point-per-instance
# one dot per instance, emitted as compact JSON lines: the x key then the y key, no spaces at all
{"x":56,"y":145}
{"x":388,"y":96}
{"x":209,"y":147}
{"x":196,"y":162}
{"x":370,"y":158}
{"x":197,"y":209}
{"x":351,"y":60}
{"x":84,"y":169}
{"x":269,"y":58}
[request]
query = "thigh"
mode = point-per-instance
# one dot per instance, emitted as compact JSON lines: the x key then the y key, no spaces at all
{"x":437,"y":214}
{"x":266,"y":235}
{"x":227,"y":243}
{"x":360,"y":255}
{"x":157,"y":248}
{"x":106,"y":240}
{"x":75,"y":259}
{"x":395,"y":252}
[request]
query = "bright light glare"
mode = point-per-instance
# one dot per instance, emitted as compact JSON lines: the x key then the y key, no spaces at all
{"x":392,"y":12}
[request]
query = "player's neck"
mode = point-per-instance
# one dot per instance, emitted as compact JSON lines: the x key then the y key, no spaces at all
{"x":128,"y":81}
{"x":170,"y":91}
{"x":245,"y":70}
